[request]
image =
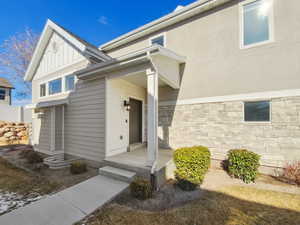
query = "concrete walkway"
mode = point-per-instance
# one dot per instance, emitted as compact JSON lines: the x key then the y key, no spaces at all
{"x":68,"y":206}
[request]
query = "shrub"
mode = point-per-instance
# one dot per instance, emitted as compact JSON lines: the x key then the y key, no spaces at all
{"x":191,"y":166}
{"x":78,"y":167}
{"x":33,"y":157}
{"x":291,"y":173}
{"x":243,"y":164}
{"x":141,"y":189}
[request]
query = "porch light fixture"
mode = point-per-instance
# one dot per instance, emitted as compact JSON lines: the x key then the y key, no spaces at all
{"x":127,"y":105}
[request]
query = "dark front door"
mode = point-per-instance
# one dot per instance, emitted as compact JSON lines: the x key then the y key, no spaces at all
{"x":135,"y":121}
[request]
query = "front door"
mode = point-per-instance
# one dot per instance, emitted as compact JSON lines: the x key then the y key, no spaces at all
{"x":135,"y":121}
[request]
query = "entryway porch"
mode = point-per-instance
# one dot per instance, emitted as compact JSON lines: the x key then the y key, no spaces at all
{"x":131,"y":106}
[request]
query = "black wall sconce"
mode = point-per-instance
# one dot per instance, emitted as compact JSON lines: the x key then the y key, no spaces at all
{"x":127,"y":105}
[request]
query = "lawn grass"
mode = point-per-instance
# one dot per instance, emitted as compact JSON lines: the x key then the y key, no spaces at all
{"x":233,"y":205}
{"x":16,"y":180}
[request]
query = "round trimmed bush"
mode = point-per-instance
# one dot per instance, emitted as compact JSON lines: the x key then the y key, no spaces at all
{"x":243,"y":164}
{"x":141,"y":189}
{"x":78,"y":167}
{"x":191,"y":166}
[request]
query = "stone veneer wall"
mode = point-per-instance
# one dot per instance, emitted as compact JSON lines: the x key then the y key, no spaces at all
{"x":220,"y":127}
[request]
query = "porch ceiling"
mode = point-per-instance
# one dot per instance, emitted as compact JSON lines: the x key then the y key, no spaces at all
{"x":164,"y":61}
{"x":140,"y":79}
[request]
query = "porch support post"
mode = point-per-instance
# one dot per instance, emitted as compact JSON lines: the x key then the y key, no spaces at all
{"x":152,"y":116}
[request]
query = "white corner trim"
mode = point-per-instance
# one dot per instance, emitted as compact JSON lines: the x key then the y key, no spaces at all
{"x":240,"y":97}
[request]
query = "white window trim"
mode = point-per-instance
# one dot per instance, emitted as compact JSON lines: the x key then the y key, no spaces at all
{"x":45,"y":83}
{"x":63,"y":87}
{"x":164,"y":35}
{"x":258,"y":122}
{"x":241,"y":23}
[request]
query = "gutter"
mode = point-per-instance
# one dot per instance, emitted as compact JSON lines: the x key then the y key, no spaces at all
{"x":170,"y":19}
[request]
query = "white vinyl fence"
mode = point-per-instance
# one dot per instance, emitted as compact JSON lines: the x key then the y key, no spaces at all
{"x":15,"y":114}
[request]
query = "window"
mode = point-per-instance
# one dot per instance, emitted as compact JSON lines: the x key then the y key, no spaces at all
{"x":2,"y":94}
{"x":42,"y":90}
{"x":257,"y":111}
{"x":55,"y":86}
{"x":160,"y":40}
{"x":70,"y":82}
{"x":256,"y":20}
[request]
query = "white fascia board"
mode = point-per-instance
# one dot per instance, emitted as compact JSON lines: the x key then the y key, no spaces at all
{"x":49,"y":28}
{"x":170,"y":19}
{"x":39,"y":49}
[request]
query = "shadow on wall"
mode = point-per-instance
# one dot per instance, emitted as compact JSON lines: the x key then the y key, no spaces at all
{"x":166,"y":113}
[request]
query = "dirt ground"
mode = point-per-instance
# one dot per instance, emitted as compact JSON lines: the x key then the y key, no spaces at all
{"x":62,"y":177}
{"x":220,"y":200}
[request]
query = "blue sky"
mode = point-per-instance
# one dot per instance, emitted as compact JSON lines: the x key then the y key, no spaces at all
{"x":96,"y":21}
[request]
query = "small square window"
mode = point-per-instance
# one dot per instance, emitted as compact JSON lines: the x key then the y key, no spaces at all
{"x":70,"y":82}
{"x":256,"y":22}
{"x":257,"y":111}
{"x":55,"y":86}
{"x":160,"y":40}
{"x":42,"y":90}
{"x":2,"y":94}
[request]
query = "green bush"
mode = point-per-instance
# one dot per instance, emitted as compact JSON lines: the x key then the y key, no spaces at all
{"x":78,"y":167}
{"x":141,"y":189}
{"x":191,"y":166}
{"x":33,"y":157}
{"x":243,"y":164}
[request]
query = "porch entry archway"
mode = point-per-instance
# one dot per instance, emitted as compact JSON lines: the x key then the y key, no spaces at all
{"x":135,"y":121}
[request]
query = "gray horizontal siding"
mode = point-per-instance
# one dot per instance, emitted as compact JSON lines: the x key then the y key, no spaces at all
{"x":85,"y":121}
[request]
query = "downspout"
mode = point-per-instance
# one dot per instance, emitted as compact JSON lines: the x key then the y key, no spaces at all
{"x":153,"y":177}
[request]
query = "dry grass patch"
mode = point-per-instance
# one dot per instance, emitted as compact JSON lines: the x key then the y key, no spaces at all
{"x":230,"y":206}
{"x":13,"y":179}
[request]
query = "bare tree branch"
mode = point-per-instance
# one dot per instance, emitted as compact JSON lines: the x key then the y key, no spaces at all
{"x":15,"y":56}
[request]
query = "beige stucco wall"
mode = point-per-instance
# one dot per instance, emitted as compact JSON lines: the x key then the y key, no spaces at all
{"x":119,"y":90}
{"x":216,"y":65}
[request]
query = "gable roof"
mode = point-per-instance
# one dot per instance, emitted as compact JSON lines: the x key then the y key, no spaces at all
{"x":178,"y":15}
{"x":5,"y":83}
{"x":88,"y":50}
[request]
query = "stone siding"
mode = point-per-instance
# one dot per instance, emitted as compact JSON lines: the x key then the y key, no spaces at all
{"x":221,"y":127}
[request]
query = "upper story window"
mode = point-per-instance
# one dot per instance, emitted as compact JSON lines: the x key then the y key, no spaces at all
{"x":159,"y":40}
{"x":257,"y":22}
{"x":55,"y":86}
{"x":42,"y":90}
{"x":2,"y":94}
{"x":257,"y":111}
{"x":70,"y":82}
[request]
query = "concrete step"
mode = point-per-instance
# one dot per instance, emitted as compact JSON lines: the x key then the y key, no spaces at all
{"x":118,"y":174}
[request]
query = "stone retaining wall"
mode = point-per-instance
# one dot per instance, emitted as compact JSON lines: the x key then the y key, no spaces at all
{"x":221,"y":127}
{"x":14,"y":133}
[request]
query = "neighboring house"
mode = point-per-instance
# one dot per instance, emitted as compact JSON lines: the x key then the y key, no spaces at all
{"x":5,"y":91}
{"x":219,"y":73}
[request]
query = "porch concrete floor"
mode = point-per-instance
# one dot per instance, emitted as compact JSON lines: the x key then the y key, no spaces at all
{"x":138,"y":158}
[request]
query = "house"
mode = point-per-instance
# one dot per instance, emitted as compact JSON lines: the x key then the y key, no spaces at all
{"x":219,"y":73}
{"x":5,"y":91}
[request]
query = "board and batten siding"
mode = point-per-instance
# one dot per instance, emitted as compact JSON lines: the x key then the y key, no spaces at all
{"x":85,"y":120}
{"x":58,"y":54}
